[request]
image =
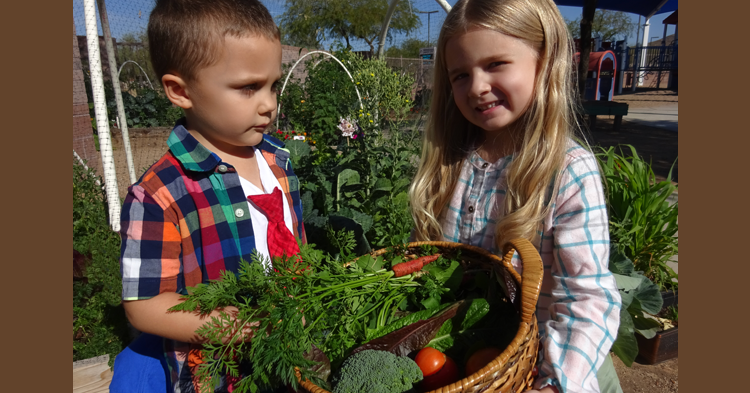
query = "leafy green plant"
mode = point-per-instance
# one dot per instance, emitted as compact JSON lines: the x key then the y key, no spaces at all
{"x":99,"y":323}
{"x":147,"y":108}
{"x":640,"y":296}
{"x":643,"y":223}
{"x":355,"y":184}
{"x":144,"y":107}
{"x":363,"y":189}
{"x":343,"y":306}
{"x":316,"y":104}
{"x":671,"y":313}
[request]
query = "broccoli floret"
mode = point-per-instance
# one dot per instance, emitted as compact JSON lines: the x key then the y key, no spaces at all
{"x":375,"y":371}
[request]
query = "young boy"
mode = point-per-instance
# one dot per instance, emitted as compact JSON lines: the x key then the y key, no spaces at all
{"x":204,"y":206}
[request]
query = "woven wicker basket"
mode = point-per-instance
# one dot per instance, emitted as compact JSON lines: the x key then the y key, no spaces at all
{"x":512,"y":370}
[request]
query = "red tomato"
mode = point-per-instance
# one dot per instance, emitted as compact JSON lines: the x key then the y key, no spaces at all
{"x":481,"y":358}
{"x":430,"y":360}
{"x":446,"y":376}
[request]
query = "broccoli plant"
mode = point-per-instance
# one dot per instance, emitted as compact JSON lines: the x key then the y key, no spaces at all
{"x":376,"y":371}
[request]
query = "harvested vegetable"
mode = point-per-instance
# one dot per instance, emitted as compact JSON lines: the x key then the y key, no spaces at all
{"x":350,"y":306}
{"x":481,"y":358}
{"x":447,"y":375}
{"x":414,"y":265}
{"x":430,"y":361}
{"x":376,"y":372}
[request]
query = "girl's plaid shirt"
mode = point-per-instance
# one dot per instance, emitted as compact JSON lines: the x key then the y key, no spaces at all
{"x":186,"y":220}
{"x":579,"y":304}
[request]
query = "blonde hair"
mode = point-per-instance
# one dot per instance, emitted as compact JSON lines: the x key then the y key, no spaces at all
{"x":548,"y":124}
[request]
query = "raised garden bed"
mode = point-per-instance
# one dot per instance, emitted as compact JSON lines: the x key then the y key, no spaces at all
{"x":663,"y":346}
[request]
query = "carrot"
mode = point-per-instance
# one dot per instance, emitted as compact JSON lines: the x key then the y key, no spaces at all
{"x":415,"y":265}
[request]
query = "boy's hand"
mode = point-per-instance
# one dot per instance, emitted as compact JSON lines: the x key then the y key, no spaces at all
{"x":238,"y":331}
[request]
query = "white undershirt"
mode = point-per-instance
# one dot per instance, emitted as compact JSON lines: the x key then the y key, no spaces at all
{"x":258,"y":219}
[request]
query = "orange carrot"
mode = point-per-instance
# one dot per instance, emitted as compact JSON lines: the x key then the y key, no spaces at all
{"x":408,"y":267}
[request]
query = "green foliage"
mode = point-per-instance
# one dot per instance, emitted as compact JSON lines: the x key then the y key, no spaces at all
{"x":342,"y":306}
{"x":144,"y":107}
{"x":366,"y":184}
{"x":376,"y":372}
{"x":316,"y":105}
{"x":671,"y":313}
{"x":355,"y":184}
{"x":308,"y":23}
{"x":608,"y":24}
{"x":639,"y":297}
{"x":134,"y":47}
{"x":147,"y":108}
{"x":99,"y":323}
{"x":408,"y":48}
{"x":643,"y":223}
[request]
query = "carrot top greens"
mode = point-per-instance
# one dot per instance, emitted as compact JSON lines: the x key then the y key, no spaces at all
{"x":343,"y":307}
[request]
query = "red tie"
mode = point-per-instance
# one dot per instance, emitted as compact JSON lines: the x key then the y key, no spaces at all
{"x":280,"y":239}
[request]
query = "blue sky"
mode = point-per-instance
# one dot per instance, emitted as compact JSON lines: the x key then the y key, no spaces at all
{"x":131,"y":16}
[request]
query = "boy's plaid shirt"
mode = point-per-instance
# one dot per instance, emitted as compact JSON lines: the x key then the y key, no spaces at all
{"x":579,"y":304}
{"x":186,"y":220}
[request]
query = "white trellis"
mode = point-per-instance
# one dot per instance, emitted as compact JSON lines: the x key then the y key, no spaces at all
{"x":100,"y":110}
{"x":278,"y":108}
{"x":116,"y":85}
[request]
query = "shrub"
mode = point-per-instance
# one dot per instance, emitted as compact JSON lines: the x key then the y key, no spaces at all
{"x":643,"y":223}
{"x":99,"y":322}
{"x":317,"y":104}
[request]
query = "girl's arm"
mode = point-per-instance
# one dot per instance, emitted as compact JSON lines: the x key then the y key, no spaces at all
{"x":585,"y":308}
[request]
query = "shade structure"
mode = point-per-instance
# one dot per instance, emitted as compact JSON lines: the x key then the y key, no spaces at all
{"x":671,"y":19}
{"x":647,"y":8}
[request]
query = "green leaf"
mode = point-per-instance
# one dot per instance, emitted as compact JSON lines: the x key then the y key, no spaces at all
{"x":645,"y":326}
{"x":449,"y":277}
{"x":626,"y":346}
{"x":370,"y":264}
{"x":382,"y":184}
{"x":628,"y":283}
{"x":648,"y":296}
{"x":411,"y":337}
{"x":431,"y":303}
{"x":618,"y":262}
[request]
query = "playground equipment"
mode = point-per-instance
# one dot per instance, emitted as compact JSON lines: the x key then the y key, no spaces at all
{"x":601,"y":75}
{"x":600,"y":89}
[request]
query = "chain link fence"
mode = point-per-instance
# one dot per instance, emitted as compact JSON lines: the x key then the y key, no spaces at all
{"x":121,"y":128}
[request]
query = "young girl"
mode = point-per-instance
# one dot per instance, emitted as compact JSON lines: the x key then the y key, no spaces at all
{"x":499,"y":163}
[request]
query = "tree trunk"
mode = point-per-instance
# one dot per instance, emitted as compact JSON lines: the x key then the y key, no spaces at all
{"x":589,"y":8}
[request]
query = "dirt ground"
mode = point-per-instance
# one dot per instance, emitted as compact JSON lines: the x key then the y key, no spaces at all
{"x":652,"y":143}
{"x":656,"y":144}
{"x":657,"y":378}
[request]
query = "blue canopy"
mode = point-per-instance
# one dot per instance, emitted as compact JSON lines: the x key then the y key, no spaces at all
{"x":647,"y":8}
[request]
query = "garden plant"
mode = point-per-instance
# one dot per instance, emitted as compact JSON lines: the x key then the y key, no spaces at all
{"x":643,"y":222}
{"x":99,"y":323}
{"x":643,"y":228}
{"x":355,"y":163}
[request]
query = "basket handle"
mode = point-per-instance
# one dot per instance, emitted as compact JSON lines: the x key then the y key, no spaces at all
{"x":531,"y":279}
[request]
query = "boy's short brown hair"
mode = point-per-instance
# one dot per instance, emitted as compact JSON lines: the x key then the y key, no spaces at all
{"x":183,"y":35}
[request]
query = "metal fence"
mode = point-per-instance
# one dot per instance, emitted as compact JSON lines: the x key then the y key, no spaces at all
{"x":126,"y":137}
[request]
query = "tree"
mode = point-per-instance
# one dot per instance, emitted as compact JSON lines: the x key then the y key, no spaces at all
{"x":608,"y":24}
{"x":587,"y":17}
{"x":134,"y":46}
{"x":409,"y":48}
{"x":307,"y":23}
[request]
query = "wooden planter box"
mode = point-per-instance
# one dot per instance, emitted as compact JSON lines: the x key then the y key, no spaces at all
{"x":663,"y":346}
{"x":92,"y":375}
